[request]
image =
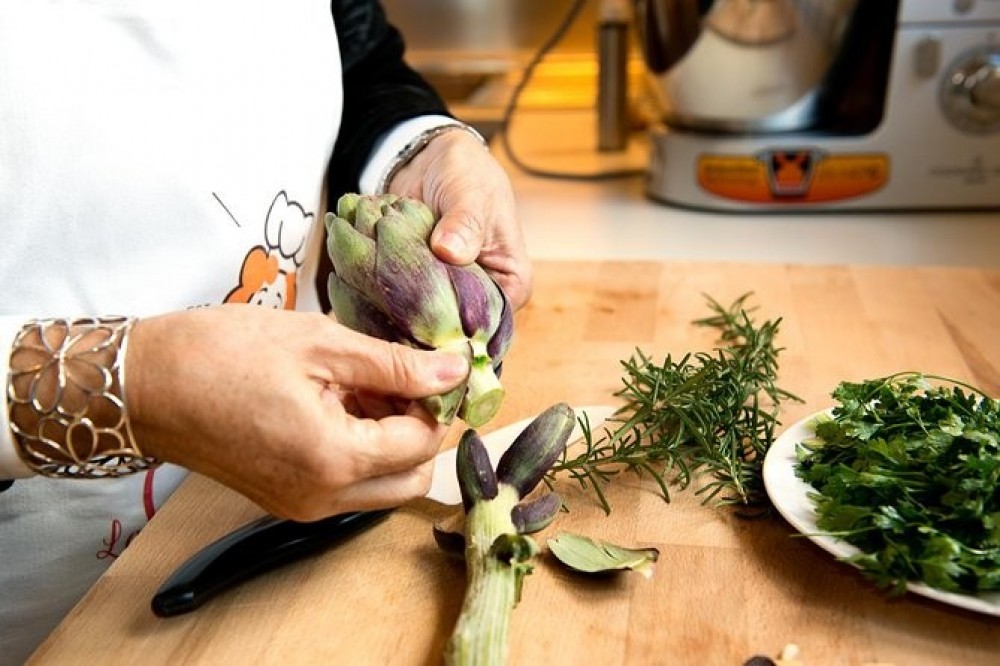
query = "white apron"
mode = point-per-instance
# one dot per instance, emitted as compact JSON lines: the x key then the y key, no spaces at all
{"x":154,"y":156}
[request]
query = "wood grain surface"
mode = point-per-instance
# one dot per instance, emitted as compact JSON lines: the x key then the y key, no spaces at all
{"x":724,"y":589}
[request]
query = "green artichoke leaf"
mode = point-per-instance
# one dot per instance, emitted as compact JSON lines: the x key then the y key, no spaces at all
{"x":347,"y":205}
{"x":414,"y":287}
{"x":588,"y":555}
{"x":421,"y":219}
{"x":367,"y":214}
{"x":356,"y":312}
{"x":353,"y":256}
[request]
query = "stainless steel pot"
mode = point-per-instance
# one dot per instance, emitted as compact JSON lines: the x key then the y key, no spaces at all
{"x":740,"y":65}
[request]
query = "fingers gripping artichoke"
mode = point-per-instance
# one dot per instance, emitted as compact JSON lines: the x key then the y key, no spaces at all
{"x":386,"y":282}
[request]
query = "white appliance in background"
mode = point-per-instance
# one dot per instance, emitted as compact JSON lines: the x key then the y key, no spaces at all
{"x":824,"y":104}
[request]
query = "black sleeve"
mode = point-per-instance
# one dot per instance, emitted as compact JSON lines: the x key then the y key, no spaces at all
{"x":380,"y":89}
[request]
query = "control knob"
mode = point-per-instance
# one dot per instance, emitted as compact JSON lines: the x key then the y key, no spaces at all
{"x":970,"y":91}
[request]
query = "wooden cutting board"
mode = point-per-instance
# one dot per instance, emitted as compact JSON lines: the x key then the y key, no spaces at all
{"x":725,"y":588}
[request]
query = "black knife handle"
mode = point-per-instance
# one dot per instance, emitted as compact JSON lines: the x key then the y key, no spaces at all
{"x":258,"y":546}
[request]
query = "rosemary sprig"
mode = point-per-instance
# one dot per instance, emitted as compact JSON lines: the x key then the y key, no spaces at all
{"x":707,"y":416}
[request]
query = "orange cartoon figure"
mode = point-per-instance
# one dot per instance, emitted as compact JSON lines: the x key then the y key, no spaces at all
{"x":790,"y":172}
{"x":268,"y":274}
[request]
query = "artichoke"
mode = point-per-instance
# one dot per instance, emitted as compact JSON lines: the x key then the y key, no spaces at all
{"x":499,"y":516}
{"x":387,"y":283}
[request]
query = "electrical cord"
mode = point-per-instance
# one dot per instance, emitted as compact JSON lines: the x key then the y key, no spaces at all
{"x":508,"y":114}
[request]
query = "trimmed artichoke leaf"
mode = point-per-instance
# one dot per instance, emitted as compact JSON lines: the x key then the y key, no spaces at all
{"x":588,"y":555}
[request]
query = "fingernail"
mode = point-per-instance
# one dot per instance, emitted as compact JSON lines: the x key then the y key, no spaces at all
{"x":453,"y":243}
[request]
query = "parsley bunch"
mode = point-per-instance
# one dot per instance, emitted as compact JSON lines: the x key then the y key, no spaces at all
{"x":909,"y":473}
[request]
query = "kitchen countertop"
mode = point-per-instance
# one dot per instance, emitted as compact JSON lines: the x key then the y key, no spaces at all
{"x":724,"y":589}
{"x":615,"y":219}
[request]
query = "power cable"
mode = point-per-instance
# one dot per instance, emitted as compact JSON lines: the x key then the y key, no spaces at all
{"x":508,"y":114}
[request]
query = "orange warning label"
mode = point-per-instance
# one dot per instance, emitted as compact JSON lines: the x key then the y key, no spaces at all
{"x":792,"y":176}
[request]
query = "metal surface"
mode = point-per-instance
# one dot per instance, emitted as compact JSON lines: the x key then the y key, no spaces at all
{"x":741,"y":65}
{"x":612,"y":85}
{"x":909,"y":122}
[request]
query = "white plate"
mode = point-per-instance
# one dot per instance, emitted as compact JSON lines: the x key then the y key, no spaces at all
{"x":789,"y":495}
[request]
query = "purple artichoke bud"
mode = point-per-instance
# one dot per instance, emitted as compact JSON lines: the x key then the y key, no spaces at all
{"x":535,"y":515}
{"x":380,"y":249}
{"x":476,"y":478}
{"x":536,"y":449}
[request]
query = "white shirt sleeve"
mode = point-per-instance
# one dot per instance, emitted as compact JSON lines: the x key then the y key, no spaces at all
{"x":392,"y":143}
{"x":11,"y":465}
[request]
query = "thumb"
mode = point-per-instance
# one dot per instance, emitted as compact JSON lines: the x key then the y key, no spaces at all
{"x":458,"y":236}
{"x":393,"y":369}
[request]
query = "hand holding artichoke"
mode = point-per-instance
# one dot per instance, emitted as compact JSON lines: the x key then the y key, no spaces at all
{"x":387,"y":283}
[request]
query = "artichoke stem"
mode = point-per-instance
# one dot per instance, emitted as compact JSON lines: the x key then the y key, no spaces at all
{"x":484,"y":393}
{"x":493,"y":585}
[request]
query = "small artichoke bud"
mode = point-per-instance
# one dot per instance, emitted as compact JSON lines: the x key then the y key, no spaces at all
{"x":535,"y":515}
{"x":476,"y":478}
{"x":536,"y":449}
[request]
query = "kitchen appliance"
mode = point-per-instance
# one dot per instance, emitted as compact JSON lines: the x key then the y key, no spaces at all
{"x":785,"y":105}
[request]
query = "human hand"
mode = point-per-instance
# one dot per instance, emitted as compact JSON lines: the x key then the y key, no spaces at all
{"x":469,"y":190}
{"x":296,"y":412}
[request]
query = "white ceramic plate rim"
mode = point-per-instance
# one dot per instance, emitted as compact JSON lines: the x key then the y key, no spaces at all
{"x":789,"y":494}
